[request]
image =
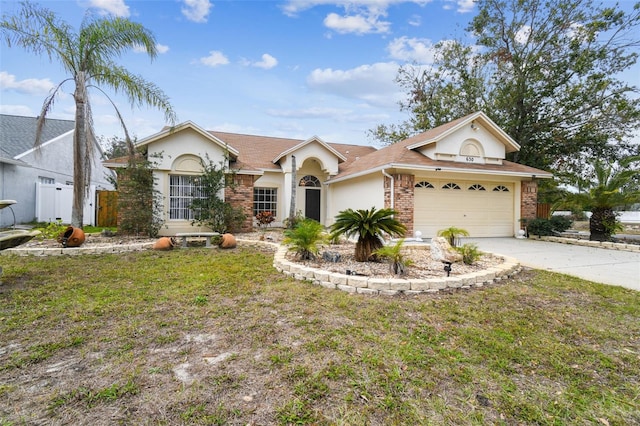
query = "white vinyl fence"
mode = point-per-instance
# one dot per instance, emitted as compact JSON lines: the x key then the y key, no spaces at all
{"x":54,"y":202}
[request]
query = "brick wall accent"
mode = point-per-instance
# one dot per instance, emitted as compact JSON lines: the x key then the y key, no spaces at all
{"x":529,"y":200}
{"x":403,"y":198}
{"x":240,"y":194}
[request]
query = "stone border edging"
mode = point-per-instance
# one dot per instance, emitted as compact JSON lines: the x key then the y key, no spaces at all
{"x":394,"y":286}
{"x":75,"y":251}
{"x":597,"y":244}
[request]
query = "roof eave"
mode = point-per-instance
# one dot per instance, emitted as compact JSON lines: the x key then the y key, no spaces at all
{"x":304,"y":143}
{"x":182,"y":126}
{"x":539,"y":174}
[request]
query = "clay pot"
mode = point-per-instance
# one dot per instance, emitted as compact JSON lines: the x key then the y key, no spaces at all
{"x":227,"y":241}
{"x":164,"y":243}
{"x":71,"y":237}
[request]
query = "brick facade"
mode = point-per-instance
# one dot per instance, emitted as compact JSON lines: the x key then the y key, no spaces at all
{"x":403,"y":198}
{"x":529,"y":199}
{"x":240,"y":194}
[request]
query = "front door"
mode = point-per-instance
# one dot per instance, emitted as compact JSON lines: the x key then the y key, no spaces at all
{"x":312,"y":204}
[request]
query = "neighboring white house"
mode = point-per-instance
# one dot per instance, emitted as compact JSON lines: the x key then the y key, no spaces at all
{"x":453,"y":175}
{"x":24,"y":169}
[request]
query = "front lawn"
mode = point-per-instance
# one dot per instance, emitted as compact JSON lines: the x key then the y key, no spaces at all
{"x":203,"y":336}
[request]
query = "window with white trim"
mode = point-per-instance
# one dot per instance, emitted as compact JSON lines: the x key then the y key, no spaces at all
{"x":310,"y":182}
{"x":476,"y":187}
{"x":500,"y":188}
{"x":265,"y":200}
{"x":46,"y":180}
{"x":183,"y":189}
{"x":423,"y":184}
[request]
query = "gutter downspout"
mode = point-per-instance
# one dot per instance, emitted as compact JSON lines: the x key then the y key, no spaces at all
{"x":392,"y":194}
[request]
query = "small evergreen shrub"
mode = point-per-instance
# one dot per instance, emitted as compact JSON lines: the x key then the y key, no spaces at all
{"x":470,"y":253}
{"x":540,"y":227}
{"x":305,"y":239}
{"x":397,"y":262}
{"x":561,"y":223}
{"x":546,"y":227}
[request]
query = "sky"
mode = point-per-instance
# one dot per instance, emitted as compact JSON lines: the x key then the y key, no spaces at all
{"x":283,"y":68}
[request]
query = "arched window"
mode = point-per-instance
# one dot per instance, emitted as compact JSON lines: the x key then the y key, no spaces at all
{"x":423,"y":184}
{"x":450,"y":185}
{"x":476,"y":187}
{"x":310,"y":182}
{"x":500,"y":188}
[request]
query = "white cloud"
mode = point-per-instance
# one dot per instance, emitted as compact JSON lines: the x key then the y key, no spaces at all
{"x":161,"y":48}
{"x":196,"y":10}
{"x":21,"y":110}
{"x":411,"y":50}
{"x":215,"y":58}
{"x":267,"y":62}
{"x":30,"y":86}
{"x":113,"y":7}
{"x":523,"y":34}
{"x":293,"y":7}
{"x":374,"y":84}
{"x":465,"y":6}
{"x":359,"y":24}
{"x":415,"y":20}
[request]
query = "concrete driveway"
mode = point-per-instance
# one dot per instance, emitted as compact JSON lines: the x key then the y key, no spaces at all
{"x":606,"y":266}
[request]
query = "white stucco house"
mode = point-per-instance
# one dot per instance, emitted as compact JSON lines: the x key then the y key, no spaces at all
{"x":453,"y":175}
{"x":26,"y":173}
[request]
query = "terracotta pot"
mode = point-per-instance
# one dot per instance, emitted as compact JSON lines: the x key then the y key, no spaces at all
{"x":228,"y":241}
{"x":164,"y":243}
{"x":72,"y":237}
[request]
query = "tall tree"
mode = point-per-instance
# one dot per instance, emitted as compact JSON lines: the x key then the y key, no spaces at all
{"x":88,"y":56}
{"x":546,"y":71}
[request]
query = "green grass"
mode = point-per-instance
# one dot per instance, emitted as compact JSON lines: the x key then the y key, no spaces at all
{"x":143,"y":335}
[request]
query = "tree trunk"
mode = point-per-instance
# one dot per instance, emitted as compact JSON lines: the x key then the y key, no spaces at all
{"x":365,"y":247}
{"x":79,"y":153}
{"x":294,"y":184}
{"x":601,"y":224}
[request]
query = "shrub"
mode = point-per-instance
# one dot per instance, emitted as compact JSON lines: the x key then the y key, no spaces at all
{"x":561,"y":223}
{"x":397,"y":263}
{"x":305,"y":239}
{"x":210,"y":210}
{"x":52,"y":230}
{"x":545,"y":227}
{"x":470,"y":253}
{"x":540,"y":227}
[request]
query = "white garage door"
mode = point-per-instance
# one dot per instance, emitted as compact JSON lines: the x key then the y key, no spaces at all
{"x":484,"y":209}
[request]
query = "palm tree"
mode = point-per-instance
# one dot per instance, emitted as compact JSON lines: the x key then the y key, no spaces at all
{"x":611,"y":187}
{"x":453,"y":234}
{"x":369,"y":225}
{"x":88,"y":58}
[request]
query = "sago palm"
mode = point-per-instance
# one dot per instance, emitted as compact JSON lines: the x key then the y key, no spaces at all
{"x":88,"y":57}
{"x":369,"y":226}
{"x":608,"y":188}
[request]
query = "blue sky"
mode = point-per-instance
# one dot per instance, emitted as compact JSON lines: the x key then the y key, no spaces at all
{"x":290,"y":68}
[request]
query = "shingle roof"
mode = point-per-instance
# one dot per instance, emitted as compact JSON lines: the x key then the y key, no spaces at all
{"x":257,"y":152}
{"x":18,"y":134}
{"x":398,"y":154}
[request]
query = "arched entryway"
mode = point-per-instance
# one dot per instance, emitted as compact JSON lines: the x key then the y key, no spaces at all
{"x":312,"y":196}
